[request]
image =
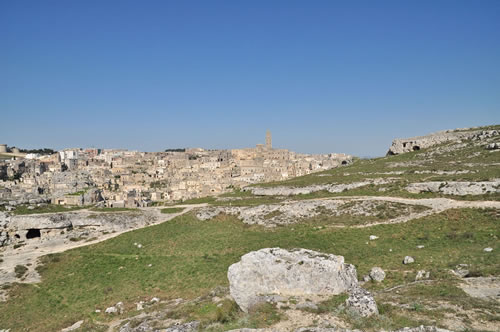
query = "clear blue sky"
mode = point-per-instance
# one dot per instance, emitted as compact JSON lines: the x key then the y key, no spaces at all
{"x":323,"y":76}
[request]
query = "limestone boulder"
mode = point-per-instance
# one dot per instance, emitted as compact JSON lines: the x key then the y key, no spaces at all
{"x":274,"y":271}
{"x":377,"y":274}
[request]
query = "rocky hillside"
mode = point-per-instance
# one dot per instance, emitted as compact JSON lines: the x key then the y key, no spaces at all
{"x":406,"y":242}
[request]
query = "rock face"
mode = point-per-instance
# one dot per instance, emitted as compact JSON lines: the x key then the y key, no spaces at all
{"x":403,"y":145}
{"x":275,"y":271}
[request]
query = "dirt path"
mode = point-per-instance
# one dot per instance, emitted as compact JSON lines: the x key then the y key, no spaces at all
{"x":28,"y":254}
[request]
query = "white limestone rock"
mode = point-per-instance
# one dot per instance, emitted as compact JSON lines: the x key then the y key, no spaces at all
{"x":422,"y":274}
{"x":404,"y":145}
{"x":300,"y":272}
{"x":408,"y":260}
{"x":111,"y":310}
{"x":377,"y":274}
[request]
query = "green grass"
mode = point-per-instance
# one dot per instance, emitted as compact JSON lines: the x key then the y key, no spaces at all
{"x":51,"y":208}
{"x":171,"y":210}
{"x":190,"y":257}
{"x":201,"y":200}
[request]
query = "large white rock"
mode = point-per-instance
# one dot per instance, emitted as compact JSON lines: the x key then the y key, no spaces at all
{"x":377,"y":274}
{"x":265,"y":273}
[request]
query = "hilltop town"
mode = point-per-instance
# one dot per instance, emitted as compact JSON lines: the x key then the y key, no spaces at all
{"x":122,"y":178}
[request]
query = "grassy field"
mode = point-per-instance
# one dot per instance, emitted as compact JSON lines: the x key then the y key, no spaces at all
{"x":189,"y":258}
{"x":171,"y":210}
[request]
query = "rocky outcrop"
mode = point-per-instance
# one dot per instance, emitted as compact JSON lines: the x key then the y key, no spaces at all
{"x":270,"y":272}
{"x":332,"y":188}
{"x":456,"y":188}
{"x":403,"y":145}
{"x":270,"y":215}
{"x":74,"y":224}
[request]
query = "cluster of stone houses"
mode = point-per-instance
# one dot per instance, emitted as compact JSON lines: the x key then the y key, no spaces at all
{"x":122,"y":178}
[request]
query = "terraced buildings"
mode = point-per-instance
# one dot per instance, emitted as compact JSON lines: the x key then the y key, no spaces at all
{"x":122,"y":178}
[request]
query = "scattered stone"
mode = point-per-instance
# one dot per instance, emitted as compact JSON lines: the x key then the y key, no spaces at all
{"x":422,"y":274}
{"x":420,"y":247}
{"x":377,"y":274}
{"x":73,"y":327}
{"x":140,"y":306}
{"x":111,"y":310}
{"x":300,"y":272}
{"x":461,"y":270}
{"x":488,"y":249}
{"x":362,"y":302}
{"x":373,"y":237}
{"x":408,"y":260}
{"x":117,"y":308}
{"x":154,"y":300}
{"x":366,"y":278}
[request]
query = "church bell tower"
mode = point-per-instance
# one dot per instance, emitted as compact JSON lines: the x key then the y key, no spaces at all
{"x":269,"y":140}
